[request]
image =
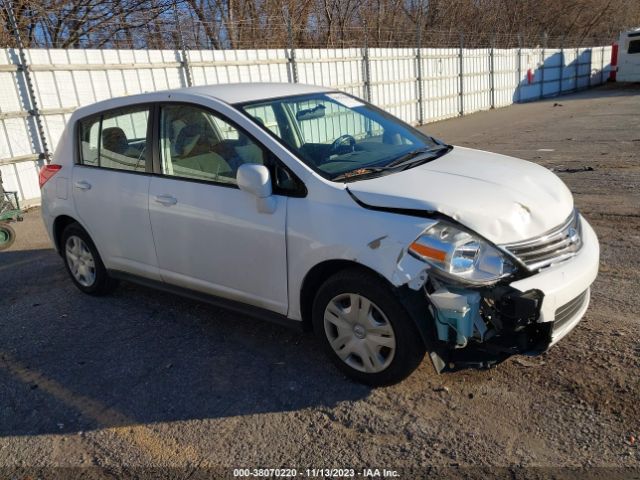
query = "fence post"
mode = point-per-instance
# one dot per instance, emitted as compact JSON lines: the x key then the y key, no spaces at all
{"x":544,"y":48}
{"x":23,"y":67}
{"x":419,"y":75}
{"x":602,"y":66}
{"x":461,"y":73}
{"x":561,"y":77}
{"x":577,"y":70}
{"x":293,"y":65}
{"x":519,"y":86}
{"x":184,"y":61}
{"x":366,"y":67}
{"x":492,"y":73}
{"x":590,"y":65}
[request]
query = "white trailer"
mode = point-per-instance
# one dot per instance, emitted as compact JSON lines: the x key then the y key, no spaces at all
{"x":629,"y":56}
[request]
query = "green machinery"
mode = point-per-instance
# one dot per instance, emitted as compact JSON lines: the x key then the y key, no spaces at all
{"x":9,"y":212}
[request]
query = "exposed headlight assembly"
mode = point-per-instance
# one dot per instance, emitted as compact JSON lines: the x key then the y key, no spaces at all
{"x":460,"y":255}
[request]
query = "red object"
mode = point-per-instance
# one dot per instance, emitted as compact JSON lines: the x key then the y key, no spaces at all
{"x":614,"y":62}
{"x":530,"y":76}
{"x":47,"y":172}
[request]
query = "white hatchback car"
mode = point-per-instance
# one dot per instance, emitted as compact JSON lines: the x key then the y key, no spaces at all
{"x":306,"y":204}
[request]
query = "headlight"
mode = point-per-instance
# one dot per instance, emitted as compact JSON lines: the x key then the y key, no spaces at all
{"x":461,"y":255}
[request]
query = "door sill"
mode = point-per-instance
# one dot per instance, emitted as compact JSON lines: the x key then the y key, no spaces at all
{"x":232,"y":305}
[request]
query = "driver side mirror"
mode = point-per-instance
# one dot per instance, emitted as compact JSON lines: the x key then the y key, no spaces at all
{"x":255,"y":179}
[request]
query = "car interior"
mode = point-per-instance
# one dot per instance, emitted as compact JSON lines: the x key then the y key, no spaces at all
{"x":195,"y":145}
{"x":312,"y":128}
{"x":118,"y":152}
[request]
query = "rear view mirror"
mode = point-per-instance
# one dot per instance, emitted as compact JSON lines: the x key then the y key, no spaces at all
{"x":311,"y":113}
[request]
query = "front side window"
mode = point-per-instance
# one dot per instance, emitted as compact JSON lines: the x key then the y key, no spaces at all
{"x":116,"y":139}
{"x":196,"y":144}
{"x":342,"y":137}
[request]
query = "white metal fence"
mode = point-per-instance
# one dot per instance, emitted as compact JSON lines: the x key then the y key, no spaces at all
{"x":417,"y":85}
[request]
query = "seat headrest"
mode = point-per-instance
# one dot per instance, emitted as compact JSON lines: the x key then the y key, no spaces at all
{"x":187,"y":134}
{"x":114,"y":140}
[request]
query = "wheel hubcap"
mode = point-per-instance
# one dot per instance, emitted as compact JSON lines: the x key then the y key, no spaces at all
{"x":80,"y":260}
{"x":359,"y":332}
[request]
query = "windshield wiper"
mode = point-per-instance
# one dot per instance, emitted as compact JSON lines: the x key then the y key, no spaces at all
{"x":358,"y":172}
{"x":401,"y":163}
{"x":410,"y":158}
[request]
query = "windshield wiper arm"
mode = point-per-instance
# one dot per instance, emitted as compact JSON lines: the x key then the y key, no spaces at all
{"x":402,"y":162}
{"x":358,"y":172}
{"x":409,"y":158}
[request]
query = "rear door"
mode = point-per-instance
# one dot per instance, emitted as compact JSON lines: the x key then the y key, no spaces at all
{"x":111,"y":188}
{"x":209,"y":235}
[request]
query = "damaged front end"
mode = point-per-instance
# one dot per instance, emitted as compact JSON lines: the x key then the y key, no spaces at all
{"x":483,"y":326}
{"x":475,"y":319}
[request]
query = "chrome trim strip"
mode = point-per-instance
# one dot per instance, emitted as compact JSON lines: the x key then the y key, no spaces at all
{"x":545,"y":236}
{"x":551,"y":247}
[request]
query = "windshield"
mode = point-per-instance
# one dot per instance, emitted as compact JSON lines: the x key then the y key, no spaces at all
{"x":342,"y":137}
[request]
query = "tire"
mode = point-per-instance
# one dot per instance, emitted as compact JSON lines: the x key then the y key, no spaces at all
{"x":384,"y":345}
{"x":7,"y":236}
{"x":81,"y":256}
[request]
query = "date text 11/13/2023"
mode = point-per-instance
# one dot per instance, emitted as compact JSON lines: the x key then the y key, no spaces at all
{"x":316,"y":473}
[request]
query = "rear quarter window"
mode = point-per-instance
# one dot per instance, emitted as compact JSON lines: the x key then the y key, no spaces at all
{"x":89,"y":135}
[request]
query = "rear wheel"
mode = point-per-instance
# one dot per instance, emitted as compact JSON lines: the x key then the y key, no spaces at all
{"x":365,"y":329}
{"x":7,"y":236}
{"x":84,"y":263}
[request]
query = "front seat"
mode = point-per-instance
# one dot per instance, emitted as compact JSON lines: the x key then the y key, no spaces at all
{"x":248,"y":151}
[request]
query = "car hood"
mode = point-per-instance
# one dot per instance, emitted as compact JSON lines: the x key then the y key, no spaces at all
{"x":502,"y":198}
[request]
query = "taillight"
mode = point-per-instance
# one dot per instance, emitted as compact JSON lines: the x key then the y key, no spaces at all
{"x":47,"y":172}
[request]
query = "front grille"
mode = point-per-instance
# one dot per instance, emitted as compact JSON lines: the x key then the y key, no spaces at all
{"x":559,"y":244}
{"x":566,"y":312}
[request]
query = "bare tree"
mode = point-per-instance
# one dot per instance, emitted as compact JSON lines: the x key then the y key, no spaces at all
{"x":220,"y":24}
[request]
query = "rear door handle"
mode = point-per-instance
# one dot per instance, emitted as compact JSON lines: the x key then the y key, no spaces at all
{"x":166,"y":200}
{"x":83,"y":185}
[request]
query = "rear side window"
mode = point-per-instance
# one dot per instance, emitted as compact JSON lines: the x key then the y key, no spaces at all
{"x":116,"y":139}
{"x":634,"y":46}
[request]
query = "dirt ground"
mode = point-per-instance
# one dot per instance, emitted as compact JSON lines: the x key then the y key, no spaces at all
{"x":146,"y":379}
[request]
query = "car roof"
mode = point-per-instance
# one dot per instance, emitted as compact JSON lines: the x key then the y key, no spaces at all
{"x":230,"y":93}
{"x":249,"y":92}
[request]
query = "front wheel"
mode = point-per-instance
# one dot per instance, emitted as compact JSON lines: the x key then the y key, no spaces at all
{"x":365,"y":329}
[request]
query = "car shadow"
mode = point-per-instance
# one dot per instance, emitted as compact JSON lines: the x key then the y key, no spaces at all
{"x":71,"y":362}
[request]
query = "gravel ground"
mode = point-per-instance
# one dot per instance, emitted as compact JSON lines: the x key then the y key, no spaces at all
{"x":146,"y":379}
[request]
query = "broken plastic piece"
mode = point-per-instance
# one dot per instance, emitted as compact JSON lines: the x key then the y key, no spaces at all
{"x":460,"y":311}
{"x":410,"y":271}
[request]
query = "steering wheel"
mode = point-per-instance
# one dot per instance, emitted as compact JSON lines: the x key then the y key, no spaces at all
{"x":342,"y":144}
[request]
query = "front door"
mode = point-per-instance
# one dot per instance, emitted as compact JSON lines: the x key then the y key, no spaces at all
{"x":209,"y":235}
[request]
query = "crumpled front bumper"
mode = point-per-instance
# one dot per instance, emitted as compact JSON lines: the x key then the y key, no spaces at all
{"x":527,"y":316}
{"x":565,"y":283}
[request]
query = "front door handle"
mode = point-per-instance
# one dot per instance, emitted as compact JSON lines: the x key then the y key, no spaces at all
{"x":166,"y":200}
{"x":83,"y":185}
